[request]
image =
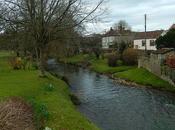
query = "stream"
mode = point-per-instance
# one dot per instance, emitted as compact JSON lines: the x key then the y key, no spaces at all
{"x":112,"y":106}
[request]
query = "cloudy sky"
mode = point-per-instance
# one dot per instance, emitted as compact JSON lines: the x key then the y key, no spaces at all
{"x":160,"y":13}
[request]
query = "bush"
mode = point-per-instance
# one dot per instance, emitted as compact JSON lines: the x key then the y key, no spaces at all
{"x":112,"y":60}
{"x":130,"y":56}
{"x":16,"y":63}
{"x":106,"y":55}
{"x":41,"y":113}
{"x":35,"y":66}
{"x":119,"y":63}
{"x":16,"y":114}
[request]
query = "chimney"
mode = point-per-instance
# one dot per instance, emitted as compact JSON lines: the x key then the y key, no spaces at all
{"x":111,"y":29}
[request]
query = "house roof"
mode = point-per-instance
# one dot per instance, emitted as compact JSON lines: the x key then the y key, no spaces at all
{"x":149,"y":35}
{"x":163,"y":51}
{"x":111,"y":32}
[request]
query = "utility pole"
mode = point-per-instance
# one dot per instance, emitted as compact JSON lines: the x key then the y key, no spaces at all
{"x":145,"y":32}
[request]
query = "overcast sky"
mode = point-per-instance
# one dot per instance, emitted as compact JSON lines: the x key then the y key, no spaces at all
{"x":160,"y":13}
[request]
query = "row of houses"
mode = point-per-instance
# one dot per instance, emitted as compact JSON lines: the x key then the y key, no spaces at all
{"x":136,"y":39}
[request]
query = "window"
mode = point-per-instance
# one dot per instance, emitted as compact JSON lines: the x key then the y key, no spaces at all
{"x":152,"y":43}
{"x":136,"y":47}
{"x":143,"y":42}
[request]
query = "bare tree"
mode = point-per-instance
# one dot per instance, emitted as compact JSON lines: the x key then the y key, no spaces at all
{"x":44,"y":19}
{"x":121,"y":26}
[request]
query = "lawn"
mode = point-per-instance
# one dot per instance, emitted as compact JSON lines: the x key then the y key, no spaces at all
{"x":144,"y":77}
{"x":101,"y":66}
{"x":27,"y":85}
{"x":74,"y":59}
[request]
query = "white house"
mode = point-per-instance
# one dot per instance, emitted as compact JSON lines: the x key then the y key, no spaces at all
{"x":113,"y":37}
{"x":108,"y":39}
{"x":151,"y":36}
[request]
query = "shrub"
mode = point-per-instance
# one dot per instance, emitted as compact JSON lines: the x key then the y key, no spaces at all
{"x":15,"y":63}
{"x":106,"y":55}
{"x":112,"y":60}
{"x":119,"y":63}
{"x":41,"y":113}
{"x":130,"y":56}
{"x":15,"y":114}
{"x":35,"y":66}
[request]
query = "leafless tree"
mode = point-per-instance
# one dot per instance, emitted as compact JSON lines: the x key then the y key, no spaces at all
{"x":44,"y":19}
{"x":121,"y":26}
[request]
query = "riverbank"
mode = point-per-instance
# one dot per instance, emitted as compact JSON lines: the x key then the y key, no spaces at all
{"x":128,"y":75}
{"x":49,"y":97}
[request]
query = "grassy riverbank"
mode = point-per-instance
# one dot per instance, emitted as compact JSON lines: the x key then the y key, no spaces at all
{"x":52,"y":103}
{"x":129,"y":73}
{"x":144,"y":77}
{"x":75,"y":59}
{"x":99,"y":65}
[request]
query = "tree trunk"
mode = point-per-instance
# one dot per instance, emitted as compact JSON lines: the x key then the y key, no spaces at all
{"x":37,"y":55}
{"x":42,"y":63}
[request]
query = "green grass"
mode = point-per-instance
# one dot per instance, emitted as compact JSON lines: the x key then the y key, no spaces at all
{"x":131,"y":73}
{"x":27,"y":84}
{"x":74,"y":59}
{"x":101,"y":66}
{"x":144,"y":77}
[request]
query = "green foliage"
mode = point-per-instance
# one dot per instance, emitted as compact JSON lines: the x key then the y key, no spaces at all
{"x":166,"y":41}
{"x":144,"y":77}
{"x":119,"y":62}
{"x":130,"y":56}
{"x":41,"y":113}
{"x":35,"y":66}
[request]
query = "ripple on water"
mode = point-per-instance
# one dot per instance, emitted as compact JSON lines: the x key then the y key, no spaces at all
{"x":117,"y":107}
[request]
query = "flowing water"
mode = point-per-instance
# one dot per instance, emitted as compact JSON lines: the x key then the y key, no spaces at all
{"x":112,"y":106}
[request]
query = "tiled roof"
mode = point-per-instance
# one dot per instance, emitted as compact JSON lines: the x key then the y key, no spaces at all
{"x":149,"y":35}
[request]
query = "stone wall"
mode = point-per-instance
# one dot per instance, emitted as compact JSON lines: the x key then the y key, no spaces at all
{"x":168,"y":74}
{"x":151,"y":64}
{"x":154,"y":64}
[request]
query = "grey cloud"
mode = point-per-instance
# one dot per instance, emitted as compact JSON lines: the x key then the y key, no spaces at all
{"x":160,"y":14}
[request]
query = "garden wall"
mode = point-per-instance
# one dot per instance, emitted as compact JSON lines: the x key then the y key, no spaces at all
{"x":154,"y":64}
